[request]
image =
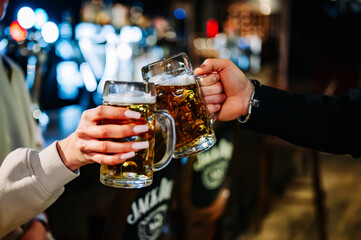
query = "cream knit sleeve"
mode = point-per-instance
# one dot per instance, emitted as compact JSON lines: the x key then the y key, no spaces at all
{"x":30,"y":181}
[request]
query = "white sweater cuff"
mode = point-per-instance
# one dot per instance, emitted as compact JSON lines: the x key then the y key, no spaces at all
{"x":52,"y":172}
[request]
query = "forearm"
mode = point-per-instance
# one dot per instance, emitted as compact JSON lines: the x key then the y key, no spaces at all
{"x":30,"y":181}
{"x":324,"y":123}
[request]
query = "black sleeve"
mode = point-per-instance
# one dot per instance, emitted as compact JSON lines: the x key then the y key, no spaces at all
{"x":325,"y":123}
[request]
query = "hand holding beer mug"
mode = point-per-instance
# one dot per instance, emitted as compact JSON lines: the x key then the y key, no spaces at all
{"x":178,"y":92}
{"x":137,"y":172}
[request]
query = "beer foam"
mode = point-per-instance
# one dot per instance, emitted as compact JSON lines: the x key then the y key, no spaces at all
{"x":170,"y":80}
{"x":133,"y":97}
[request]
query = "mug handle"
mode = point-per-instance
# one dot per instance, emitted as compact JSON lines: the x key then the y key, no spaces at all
{"x":167,"y":122}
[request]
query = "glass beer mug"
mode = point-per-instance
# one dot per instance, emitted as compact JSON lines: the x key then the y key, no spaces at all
{"x":138,"y":171}
{"x":178,"y":92}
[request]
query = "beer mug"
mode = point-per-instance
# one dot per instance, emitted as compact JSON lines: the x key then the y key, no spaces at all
{"x":138,"y":171}
{"x":178,"y":93}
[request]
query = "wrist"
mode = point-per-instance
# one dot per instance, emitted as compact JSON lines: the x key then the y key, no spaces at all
{"x":246,"y":99}
{"x":43,"y":220}
{"x":61,"y":146}
{"x":253,"y":101}
{"x":38,"y":221}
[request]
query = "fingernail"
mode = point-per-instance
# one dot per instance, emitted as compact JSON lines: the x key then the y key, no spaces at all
{"x":127,"y":155}
{"x":140,"y":145}
{"x":131,"y":114}
{"x":140,"y":128}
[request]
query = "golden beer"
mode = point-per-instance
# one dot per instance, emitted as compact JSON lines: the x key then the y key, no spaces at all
{"x":185,"y":105}
{"x":138,"y":168}
{"x":137,"y":171}
{"x":178,"y":92}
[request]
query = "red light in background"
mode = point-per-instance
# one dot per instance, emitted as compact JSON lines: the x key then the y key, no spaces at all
{"x":17,"y":32}
{"x":212,"y":28}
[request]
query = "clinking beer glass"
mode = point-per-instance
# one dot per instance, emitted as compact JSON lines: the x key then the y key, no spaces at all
{"x":138,"y":171}
{"x":178,"y":92}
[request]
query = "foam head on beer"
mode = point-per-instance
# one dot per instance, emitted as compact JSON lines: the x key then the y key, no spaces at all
{"x":171,"y":80}
{"x":129,"y":98}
